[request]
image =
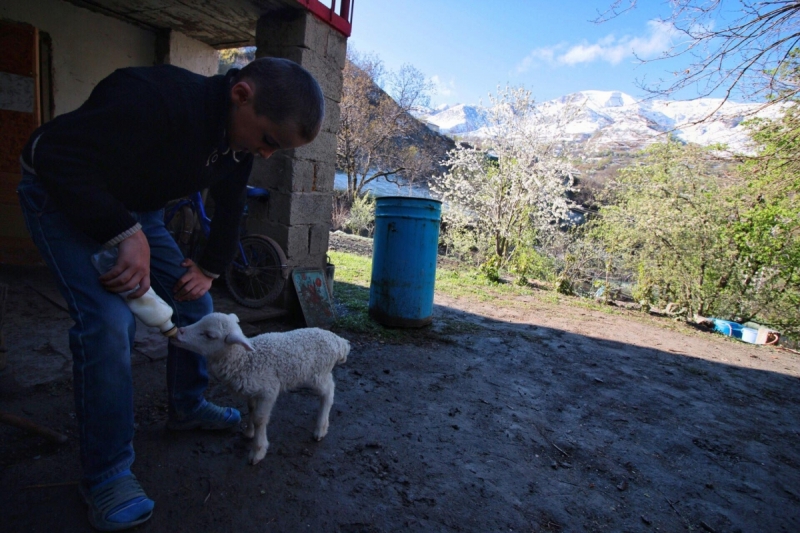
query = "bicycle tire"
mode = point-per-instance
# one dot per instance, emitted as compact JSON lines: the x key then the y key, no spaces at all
{"x":262,"y":281}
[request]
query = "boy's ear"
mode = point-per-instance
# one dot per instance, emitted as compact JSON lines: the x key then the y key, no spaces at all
{"x":242,"y":92}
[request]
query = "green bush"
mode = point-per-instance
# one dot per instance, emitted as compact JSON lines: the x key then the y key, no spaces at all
{"x":361,"y":218}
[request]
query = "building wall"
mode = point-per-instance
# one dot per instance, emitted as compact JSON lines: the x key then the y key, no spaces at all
{"x":192,"y":55}
{"x":86,"y":46}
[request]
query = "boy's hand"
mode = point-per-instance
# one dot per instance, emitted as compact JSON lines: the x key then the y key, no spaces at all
{"x":132,"y":267}
{"x":193,"y":284}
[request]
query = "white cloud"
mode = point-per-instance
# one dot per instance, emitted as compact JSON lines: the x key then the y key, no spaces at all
{"x":659,"y":39}
{"x":442,"y":88}
{"x":539,"y":55}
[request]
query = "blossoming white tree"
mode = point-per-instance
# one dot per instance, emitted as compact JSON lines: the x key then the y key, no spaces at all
{"x":514,"y":186}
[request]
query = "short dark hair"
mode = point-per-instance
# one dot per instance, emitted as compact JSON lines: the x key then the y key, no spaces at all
{"x":286,"y":92}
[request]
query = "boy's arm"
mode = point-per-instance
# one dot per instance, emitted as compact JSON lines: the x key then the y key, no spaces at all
{"x":229,"y":195}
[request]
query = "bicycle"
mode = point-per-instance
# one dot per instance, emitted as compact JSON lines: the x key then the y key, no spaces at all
{"x":258,"y":272}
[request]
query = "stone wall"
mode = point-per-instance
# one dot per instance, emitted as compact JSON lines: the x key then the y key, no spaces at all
{"x":300,"y":181}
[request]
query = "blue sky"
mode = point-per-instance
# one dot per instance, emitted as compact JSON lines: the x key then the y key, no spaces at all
{"x":469,"y":47}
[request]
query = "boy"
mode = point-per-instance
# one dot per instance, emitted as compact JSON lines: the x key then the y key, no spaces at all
{"x":100,"y":176}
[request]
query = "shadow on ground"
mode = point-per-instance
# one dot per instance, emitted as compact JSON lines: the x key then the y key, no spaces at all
{"x":477,"y":423}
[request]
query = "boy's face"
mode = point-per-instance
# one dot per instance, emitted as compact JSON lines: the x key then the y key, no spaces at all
{"x":254,"y":133}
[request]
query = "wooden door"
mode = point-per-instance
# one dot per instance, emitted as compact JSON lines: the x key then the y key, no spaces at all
{"x":20,"y":115}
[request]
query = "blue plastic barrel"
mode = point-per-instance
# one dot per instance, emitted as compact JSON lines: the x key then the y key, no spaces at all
{"x":404,"y":251}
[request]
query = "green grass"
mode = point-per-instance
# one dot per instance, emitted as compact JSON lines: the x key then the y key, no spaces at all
{"x":351,"y":293}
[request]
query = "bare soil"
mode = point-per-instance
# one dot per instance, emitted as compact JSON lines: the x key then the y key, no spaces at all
{"x":502,"y":416}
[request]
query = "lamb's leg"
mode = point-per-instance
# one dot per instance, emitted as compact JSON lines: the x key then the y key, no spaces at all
{"x":251,"y":410}
{"x":324,"y":389}
{"x":260,"y":417}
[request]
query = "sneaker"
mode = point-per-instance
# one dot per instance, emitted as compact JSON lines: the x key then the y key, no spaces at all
{"x":207,"y":416}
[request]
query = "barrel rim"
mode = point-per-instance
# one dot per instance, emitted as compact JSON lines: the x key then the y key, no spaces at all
{"x":377,"y":198}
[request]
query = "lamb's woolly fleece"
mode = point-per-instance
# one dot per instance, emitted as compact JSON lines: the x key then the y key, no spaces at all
{"x":279,"y":361}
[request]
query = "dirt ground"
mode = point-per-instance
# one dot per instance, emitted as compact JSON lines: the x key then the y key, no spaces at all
{"x":530,"y":416}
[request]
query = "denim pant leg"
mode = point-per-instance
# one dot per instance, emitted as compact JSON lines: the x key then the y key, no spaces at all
{"x":187,"y":375}
{"x":100,"y":339}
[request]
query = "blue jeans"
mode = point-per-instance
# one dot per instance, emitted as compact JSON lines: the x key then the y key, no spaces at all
{"x":102,"y":337}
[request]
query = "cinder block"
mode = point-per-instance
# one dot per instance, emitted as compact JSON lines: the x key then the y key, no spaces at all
{"x":323,"y":148}
{"x":318,"y":243}
{"x":282,"y":27}
{"x":294,"y":175}
{"x":313,"y":176}
{"x":327,"y":73}
{"x":310,"y":208}
{"x":298,"y":208}
{"x":277,"y":172}
{"x":297,"y":244}
{"x":317,"y":35}
{"x":333,"y":116}
{"x":324,"y":175}
{"x":280,"y":207}
{"x":317,"y":261}
{"x":275,"y":231}
{"x":336,"y":50}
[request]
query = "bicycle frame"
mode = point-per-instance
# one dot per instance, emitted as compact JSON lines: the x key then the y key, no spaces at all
{"x":196,"y":204}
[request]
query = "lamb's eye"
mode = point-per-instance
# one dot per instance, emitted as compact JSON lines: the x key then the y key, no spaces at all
{"x":210,"y":335}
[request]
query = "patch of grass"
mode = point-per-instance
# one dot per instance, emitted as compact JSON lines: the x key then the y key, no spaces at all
{"x":471,"y":283}
{"x":353,"y":273}
{"x":351,"y":294}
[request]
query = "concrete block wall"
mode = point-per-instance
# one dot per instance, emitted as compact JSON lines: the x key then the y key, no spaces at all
{"x":301,"y":181}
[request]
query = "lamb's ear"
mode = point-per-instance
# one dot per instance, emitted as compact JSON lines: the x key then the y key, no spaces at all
{"x":237,"y":337}
{"x":234,"y":317}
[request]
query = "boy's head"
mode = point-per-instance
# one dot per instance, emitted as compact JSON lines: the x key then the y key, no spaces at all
{"x":275,"y":104}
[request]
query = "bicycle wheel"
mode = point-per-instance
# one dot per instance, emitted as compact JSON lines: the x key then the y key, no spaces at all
{"x":257,"y":279}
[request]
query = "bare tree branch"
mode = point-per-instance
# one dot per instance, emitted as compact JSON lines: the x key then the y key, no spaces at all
{"x":741,"y":58}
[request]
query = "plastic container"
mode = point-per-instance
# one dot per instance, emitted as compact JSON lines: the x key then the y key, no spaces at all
{"x":726,"y":327}
{"x":404,"y":252}
{"x":749,"y":335}
{"x":736,"y":330}
{"x":149,"y":307}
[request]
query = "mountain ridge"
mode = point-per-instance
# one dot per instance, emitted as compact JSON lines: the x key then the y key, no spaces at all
{"x":604,"y":119}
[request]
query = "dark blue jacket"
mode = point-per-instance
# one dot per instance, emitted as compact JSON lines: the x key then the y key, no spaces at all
{"x":145,"y":136}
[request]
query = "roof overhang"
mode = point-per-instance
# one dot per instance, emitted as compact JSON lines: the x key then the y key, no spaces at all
{"x":219,"y":24}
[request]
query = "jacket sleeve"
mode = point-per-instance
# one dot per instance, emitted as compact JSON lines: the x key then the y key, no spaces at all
{"x":229,"y":195}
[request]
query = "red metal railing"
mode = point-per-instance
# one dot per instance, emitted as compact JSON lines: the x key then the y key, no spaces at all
{"x":342,"y":22}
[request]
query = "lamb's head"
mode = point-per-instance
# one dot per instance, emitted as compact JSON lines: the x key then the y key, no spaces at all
{"x":212,"y":335}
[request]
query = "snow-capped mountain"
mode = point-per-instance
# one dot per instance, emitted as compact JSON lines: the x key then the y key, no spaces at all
{"x":458,"y":119}
{"x":603,"y":119}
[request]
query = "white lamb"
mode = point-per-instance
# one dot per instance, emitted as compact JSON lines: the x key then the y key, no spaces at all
{"x":262,"y":367}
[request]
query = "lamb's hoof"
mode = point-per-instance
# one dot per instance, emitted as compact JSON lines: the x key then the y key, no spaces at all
{"x":256,"y":455}
{"x":320,"y":434}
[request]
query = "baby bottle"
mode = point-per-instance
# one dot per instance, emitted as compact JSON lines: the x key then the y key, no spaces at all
{"x":149,"y":308}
